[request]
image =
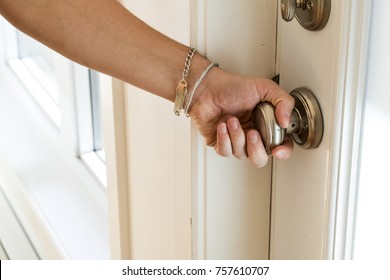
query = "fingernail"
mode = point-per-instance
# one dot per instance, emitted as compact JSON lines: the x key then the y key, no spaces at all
{"x":286,"y":120}
{"x":233,"y":123}
{"x":280,"y":155}
{"x":252,"y":137}
{"x":222,"y":128}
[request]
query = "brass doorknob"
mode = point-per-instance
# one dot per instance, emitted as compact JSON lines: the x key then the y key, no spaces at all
{"x":313,"y":15}
{"x":306,"y":126}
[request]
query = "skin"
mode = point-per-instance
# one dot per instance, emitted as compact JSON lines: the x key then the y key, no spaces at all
{"x":103,"y":35}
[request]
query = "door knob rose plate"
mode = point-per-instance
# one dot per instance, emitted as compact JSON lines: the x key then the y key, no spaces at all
{"x":306,"y":126}
{"x":312,"y":15}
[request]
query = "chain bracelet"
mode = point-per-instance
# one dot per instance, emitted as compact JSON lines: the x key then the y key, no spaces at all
{"x":187,"y":63}
{"x":181,"y":90}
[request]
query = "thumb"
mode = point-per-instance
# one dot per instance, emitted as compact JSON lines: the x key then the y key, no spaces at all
{"x":283,"y":110}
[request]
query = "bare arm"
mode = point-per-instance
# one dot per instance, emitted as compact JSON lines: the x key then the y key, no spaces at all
{"x":103,"y":35}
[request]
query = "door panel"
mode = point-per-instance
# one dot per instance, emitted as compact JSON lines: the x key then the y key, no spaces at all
{"x":158,"y":153}
{"x":240,"y":35}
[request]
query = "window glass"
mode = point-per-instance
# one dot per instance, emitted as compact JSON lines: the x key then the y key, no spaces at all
{"x":98,"y":140}
{"x":40,"y":61}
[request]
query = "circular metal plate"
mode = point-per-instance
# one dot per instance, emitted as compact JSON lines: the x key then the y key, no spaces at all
{"x":315,"y":16}
{"x":312,"y":128}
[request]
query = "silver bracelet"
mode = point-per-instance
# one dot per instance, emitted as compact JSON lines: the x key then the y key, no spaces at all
{"x":181,"y":90}
{"x":212,"y":64}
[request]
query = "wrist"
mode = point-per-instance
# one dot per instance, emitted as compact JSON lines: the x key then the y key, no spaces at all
{"x":200,"y":86}
{"x":204,"y":101}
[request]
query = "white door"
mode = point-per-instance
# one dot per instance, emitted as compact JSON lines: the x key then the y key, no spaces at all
{"x":224,"y":208}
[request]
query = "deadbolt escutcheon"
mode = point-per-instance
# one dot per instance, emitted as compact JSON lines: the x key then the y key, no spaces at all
{"x":312,"y":15}
{"x":306,"y":126}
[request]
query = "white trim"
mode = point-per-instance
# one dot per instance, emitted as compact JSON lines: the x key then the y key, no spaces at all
{"x":198,"y":158}
{"x":199,"y":199}
{"x":348,"y":121}
{"x":114,"y":124}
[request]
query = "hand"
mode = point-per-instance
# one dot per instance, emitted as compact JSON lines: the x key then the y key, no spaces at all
{"x":222,"y":112}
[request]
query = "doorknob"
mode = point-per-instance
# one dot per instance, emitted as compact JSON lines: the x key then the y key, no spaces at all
{"x":306,"y":126}
{"x":313,"y":15}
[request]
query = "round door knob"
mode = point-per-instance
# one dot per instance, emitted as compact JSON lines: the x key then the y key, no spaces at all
{"x":306,"y":126}
{"x":288,"y":8}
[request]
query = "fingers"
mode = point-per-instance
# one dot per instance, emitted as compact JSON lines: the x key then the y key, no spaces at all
{"x":257,"y":154}
{"x":231,"y":139}
{"x":237,"y":137}
{"x":223,"y":147}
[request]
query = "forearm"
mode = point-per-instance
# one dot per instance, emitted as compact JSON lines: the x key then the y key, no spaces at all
{"x":103,"y":35}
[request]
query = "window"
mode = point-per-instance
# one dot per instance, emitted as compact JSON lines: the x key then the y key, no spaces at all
{"x":52,"y":139}
{"x":41,"y":71}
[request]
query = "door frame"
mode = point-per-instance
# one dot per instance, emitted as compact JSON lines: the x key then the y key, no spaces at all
{"x":346,"y":150}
